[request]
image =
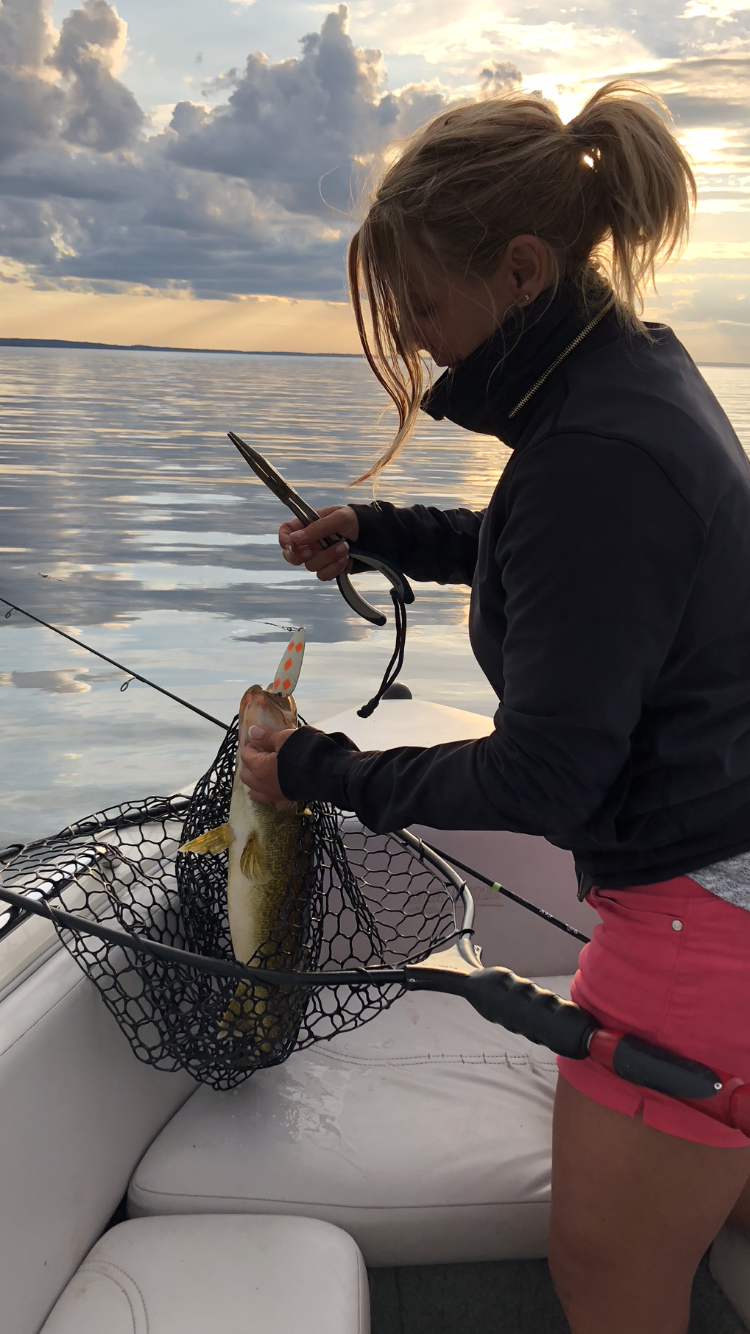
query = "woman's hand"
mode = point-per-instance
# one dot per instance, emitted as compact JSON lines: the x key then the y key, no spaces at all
{"x":259,"y":765}
{"x":300,"y":545}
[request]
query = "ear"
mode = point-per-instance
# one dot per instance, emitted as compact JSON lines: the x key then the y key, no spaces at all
{"x":527,"y":268}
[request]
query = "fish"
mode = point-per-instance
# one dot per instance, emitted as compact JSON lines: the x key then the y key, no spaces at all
{"x":266,"y":865}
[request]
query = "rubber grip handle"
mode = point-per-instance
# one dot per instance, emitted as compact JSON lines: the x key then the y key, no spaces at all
{"x":541,"y":1016}
{"x":357,"y":603}
{"x":516,"y":1003}
{"x":396,"y":579}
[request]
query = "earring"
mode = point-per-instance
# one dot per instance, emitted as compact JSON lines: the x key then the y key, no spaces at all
{"x":527,"y":297}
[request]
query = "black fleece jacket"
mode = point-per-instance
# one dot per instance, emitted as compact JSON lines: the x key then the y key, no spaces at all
{"x":610,"y":611}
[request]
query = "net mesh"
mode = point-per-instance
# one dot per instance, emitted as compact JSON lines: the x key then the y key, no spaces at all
{"x":353,"y":899}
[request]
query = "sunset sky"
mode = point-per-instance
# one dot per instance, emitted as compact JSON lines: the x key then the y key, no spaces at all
{"x":180,"y":171}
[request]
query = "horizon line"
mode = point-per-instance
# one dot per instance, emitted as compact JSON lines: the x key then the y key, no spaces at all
{"x":223,"y":351}
{"x":153,"y":347}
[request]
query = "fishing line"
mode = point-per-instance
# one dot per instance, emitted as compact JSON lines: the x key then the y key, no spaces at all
{"x":127,"y":670}
{"x":508,"y":894}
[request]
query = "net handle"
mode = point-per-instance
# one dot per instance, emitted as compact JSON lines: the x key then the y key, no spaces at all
{"x":240,"y":972}
{"x":496,"y":993}
{"x":499,"y":996}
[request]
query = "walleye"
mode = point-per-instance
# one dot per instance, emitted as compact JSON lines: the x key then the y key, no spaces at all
{"x":265,"y":859}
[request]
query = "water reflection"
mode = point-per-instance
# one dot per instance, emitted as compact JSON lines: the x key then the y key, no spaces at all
{"x":181,"y":540}
{"x":55,"y":683}
{"x":128,"y":519}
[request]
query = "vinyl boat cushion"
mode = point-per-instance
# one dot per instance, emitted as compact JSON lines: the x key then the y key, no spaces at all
{"x":240,"y":1275}
{"x":426,"y":1135}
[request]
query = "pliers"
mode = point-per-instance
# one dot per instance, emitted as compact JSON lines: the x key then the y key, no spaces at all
{"x":306,"y":515}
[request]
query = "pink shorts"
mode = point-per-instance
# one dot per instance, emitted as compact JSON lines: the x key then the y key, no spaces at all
{"x":669,"y":962}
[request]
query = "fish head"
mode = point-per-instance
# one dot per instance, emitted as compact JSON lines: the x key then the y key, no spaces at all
{"x":260,"y":708}
{"x":274,"y":707}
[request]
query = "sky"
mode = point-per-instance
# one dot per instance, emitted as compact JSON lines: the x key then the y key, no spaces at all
{"x":181,"y":172}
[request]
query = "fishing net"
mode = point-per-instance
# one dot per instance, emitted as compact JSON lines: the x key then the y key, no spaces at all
{"x":354,"y":900}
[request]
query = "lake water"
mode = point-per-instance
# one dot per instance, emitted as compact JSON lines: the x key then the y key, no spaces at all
{"x":129,"y":520}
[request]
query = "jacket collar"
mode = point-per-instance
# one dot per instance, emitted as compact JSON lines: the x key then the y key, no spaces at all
{"x":479,"y":393}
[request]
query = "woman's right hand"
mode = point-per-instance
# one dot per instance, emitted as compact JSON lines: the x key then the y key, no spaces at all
{"x":300,"y":545}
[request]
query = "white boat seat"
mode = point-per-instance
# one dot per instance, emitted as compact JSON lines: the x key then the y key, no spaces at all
{"x":240,"y":1275}
{"x":425,"y":1134}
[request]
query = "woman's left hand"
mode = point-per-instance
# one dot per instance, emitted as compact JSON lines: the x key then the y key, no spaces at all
{"x":259,"y":765}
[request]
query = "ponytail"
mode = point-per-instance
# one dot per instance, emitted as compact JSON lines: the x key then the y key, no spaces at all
{"x":639,"y":190}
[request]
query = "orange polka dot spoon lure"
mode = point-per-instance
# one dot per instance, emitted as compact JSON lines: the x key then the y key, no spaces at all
{"x":287,"y":673}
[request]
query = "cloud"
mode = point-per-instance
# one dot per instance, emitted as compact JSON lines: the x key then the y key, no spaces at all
{"x":499,"y":76}
{"x":57,"y":683}
{"x":101,"y":112}
{"x":295,"y":129}
{"x":714,"y":296}
{"x":29,"y":99}
{"x":249,"y":190}
{"x":707,"y":91}
{"x":447,"y":35}
{"x":251,"y":195}
{"x":63,"y":87}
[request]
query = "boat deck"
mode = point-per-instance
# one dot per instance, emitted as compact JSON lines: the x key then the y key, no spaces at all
{"x":511,"y":1297}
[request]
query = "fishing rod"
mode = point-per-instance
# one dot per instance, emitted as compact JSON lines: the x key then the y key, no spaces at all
{"x":508,"y":894}
{"x":135,"y":675}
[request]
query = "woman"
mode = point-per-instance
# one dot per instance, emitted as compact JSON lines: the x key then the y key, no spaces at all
{"x":610,"y":611}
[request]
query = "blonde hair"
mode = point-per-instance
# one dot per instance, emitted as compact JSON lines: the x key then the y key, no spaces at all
{"x":609,"y":194}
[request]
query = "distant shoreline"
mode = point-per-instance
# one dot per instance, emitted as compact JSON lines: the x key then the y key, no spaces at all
{"x":226,"y":351}
{"x":149,"y":347}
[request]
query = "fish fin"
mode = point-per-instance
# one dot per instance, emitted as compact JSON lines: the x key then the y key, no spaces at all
{"x":213,"y":841}
{"x":252,"y":865}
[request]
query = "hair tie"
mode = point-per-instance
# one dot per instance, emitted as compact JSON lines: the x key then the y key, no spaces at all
{"x":583,"y":144}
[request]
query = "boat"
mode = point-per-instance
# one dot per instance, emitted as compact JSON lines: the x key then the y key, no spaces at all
{"x":414,"y":1149}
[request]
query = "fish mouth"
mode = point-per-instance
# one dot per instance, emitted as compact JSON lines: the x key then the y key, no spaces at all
{"x":258,"y":708}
